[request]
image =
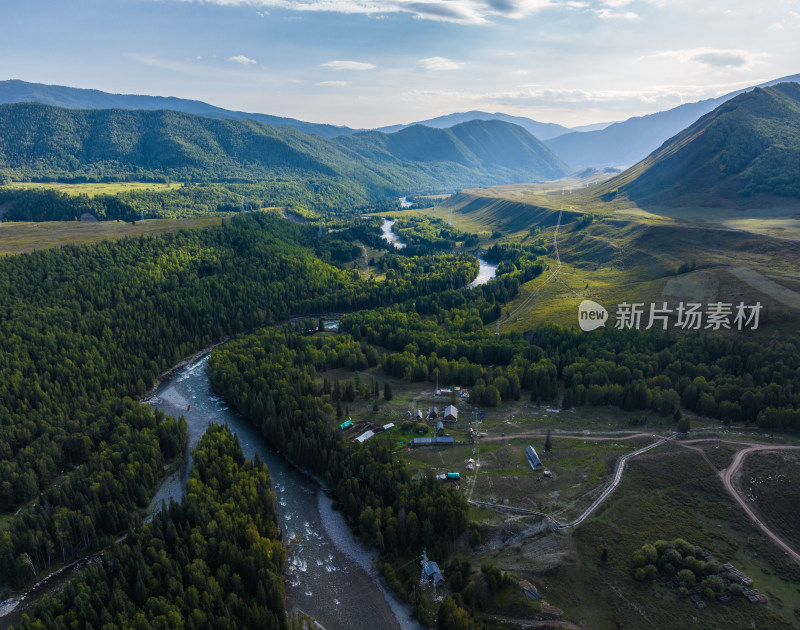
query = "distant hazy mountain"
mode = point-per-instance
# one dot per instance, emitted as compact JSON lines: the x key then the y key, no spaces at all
{"x":748,"y":146}
{"x":628,"y":142}
{"x":15,"y":91}
{"x":593,"y":126}
{"x":540,"y":130}
{"x":50,"y":143}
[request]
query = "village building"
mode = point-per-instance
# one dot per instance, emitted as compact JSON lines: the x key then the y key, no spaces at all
{"x":533,"y":458}
{"x":430,"y":571}
{"x":365,"y":436}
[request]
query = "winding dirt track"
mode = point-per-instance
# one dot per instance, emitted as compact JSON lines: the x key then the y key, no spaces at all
{"x":591,"y":438}
{"x":727,"y":476}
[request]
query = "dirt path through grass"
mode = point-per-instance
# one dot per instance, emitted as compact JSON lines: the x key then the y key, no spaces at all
{"x":727,"y":476}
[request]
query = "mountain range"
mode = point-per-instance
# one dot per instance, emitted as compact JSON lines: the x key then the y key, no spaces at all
{"x":600,"y":145}
{"x":15,"y":91}
{"x":51,"y":143}
{"x":624,"y":143}
{"x":744,"y":150}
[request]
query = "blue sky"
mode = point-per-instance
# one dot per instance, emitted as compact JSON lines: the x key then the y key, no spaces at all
{"x":366,"y":63}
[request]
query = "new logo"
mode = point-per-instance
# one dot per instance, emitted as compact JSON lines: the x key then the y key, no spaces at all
{"x":591,"y":315}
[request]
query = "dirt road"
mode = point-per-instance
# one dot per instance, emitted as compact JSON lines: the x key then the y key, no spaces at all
{"x":727,"y":477}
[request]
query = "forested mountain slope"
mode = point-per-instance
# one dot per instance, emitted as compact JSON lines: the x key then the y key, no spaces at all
{"x":747,"y":146}
{"x":44,"y":143}
{"x":16,"y":91}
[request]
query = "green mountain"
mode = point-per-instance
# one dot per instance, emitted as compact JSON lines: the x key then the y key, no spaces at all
{"x":540,"y":130}
{"x":748,"y":146}
{"x":477,"y":151}
{"x":48,"y":143}
{"x":15,"y":91}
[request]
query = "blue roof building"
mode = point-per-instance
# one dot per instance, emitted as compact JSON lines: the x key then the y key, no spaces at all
{"x":533,"y":458}
{"x":431,"y":571}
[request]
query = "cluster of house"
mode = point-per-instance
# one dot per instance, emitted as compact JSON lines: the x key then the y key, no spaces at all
{"x":450,"y":415}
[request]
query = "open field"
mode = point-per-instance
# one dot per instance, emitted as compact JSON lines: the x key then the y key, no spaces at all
{"x":92,"y":189}
{"x":21,"y":237}
{"x":771,"y":482}
{"x":656,"y":500}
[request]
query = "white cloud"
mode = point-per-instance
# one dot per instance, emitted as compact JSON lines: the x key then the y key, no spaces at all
{"x":608,"y":14}
{"x":245,"y":61}
{"x":524,"y":98}
{"x":459,"y":11}
{"x":714,"y":57}
{"x":348,"y":65}
{"x":439,"y":63}
{"x":332,"y":83}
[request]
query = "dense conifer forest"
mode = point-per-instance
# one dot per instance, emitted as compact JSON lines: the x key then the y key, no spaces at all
{"x":87,"y":328}
{"x":214,"y":560}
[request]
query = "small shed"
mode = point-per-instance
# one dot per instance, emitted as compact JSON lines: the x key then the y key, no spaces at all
{"x":533,"y":458}
{"x":529,"y":590}
{"x":418,"y":415}
{"x":439,"y":427}
{"x":346,"y":425}
{"x":433,"y":413}
{"x":365,"y":436}
{"x":450,"y":413}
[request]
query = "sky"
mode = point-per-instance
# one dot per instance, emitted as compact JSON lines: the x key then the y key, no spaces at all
{"x":368,"y":63}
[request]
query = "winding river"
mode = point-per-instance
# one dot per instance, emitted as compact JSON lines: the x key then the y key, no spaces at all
{"x":390,"y":236}
{"x":329,"y":573}
{"x":486,"y":271}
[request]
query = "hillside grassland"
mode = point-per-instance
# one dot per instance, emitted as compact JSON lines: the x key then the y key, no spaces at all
{"x":612,"y":253}
{"x":21,"y":237}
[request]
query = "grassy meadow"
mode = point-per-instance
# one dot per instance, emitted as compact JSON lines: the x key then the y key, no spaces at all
{"x":92,"y":189}
{"x":21,"y":237}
